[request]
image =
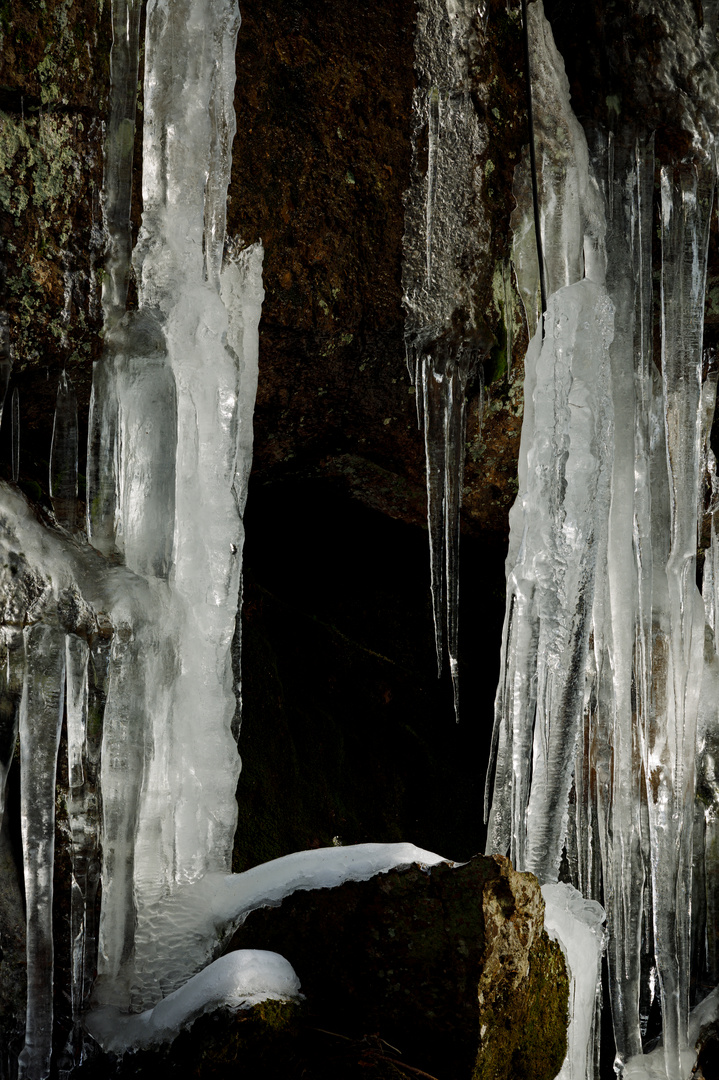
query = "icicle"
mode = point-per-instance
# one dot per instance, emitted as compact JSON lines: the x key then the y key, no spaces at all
{"x":102,"y":458}
{"x":40,"y":721}
{"x":445,"y":234}
{"x":6,"y":358}
{"x":87,"y":684}
{"x":102,"y":450}
{"x":124,"y":739}
{"x":686,"y":199}
{"x":223,"y":126}
{"x":119,"y":148}
{"x":77,"y":702}
{"x":12,"y":668}
{"x":147,"y":441}
{"x":63,"y":454}
{"x":15,"y":435}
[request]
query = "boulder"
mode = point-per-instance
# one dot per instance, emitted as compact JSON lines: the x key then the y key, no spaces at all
{"x":446,"y":974}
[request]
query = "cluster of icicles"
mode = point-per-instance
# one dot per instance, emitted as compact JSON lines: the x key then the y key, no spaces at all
{"x":607,"y":711}
{"x":130,"y":636}
{"x":607,"y":708}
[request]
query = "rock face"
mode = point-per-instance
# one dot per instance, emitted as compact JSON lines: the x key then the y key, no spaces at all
{"x":451,"y":967}
{"x":447,"y":973}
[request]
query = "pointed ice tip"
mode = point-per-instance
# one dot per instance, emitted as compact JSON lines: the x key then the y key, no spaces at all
{"x":454,"y":670}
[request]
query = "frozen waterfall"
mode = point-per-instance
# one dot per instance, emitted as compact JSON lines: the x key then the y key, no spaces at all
{"x":606,"y":707}
{"x":132,"y":636}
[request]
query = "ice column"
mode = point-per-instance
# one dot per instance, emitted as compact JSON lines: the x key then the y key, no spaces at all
{"x":184,"y":378}
{"x":564,"y":469}
{"x":446,"y":242}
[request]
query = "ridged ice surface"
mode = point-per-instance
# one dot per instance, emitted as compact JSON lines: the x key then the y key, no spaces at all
{"x":609,"y":666}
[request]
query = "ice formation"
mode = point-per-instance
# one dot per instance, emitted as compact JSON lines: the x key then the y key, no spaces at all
{"x":238,"y":980}
{"x":578,"y":925}
{"x":446,"y":240}
{"x":207,"y":909}
{"x":150,"y":710}
{"x":607,"y":641}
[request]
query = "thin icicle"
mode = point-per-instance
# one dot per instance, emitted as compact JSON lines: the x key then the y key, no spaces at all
{"x":12,"y":669}
{"x":6,"y":359}
{"x":119,"y":148}
{"x":15,"y":417}
{"x":40,"y":722}
{"x":446,"y":243}
{"x":63,"y":454}
{"x":103,"y":478}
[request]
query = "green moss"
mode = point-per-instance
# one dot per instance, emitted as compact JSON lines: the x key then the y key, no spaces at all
{"x":529,"y":1042}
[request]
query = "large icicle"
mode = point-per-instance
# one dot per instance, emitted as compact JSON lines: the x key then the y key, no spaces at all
{"x":564,"y":466}
{"x":679,"y":622}
{"x":185,"y":377}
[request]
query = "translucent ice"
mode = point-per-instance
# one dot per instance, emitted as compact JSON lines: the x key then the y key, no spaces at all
{"x":600,"y":708}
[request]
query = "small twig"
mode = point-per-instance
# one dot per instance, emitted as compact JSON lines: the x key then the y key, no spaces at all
{"x":389,"y":1045}
{"x":401,"y":1064}
{"x":336,"y":1034}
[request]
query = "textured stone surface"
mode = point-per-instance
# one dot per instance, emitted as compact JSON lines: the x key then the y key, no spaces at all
{"x":452,"y":967}
{"x":447,"y":974}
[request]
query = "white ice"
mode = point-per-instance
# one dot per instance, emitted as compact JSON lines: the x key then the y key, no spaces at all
{"x":209,"y":908}
{"x":578,"y":925}
{"x":239,"y":980}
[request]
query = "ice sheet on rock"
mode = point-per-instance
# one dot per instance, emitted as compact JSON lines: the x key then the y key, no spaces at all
{"x":234,"y":895}
{"x":178,"y":932}
{"x":578,"y":925}
{"x":238,"y":980}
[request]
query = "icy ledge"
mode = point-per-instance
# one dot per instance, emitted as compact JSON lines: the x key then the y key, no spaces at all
{"x":244,"y":978}
{"x":578,"y":925}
